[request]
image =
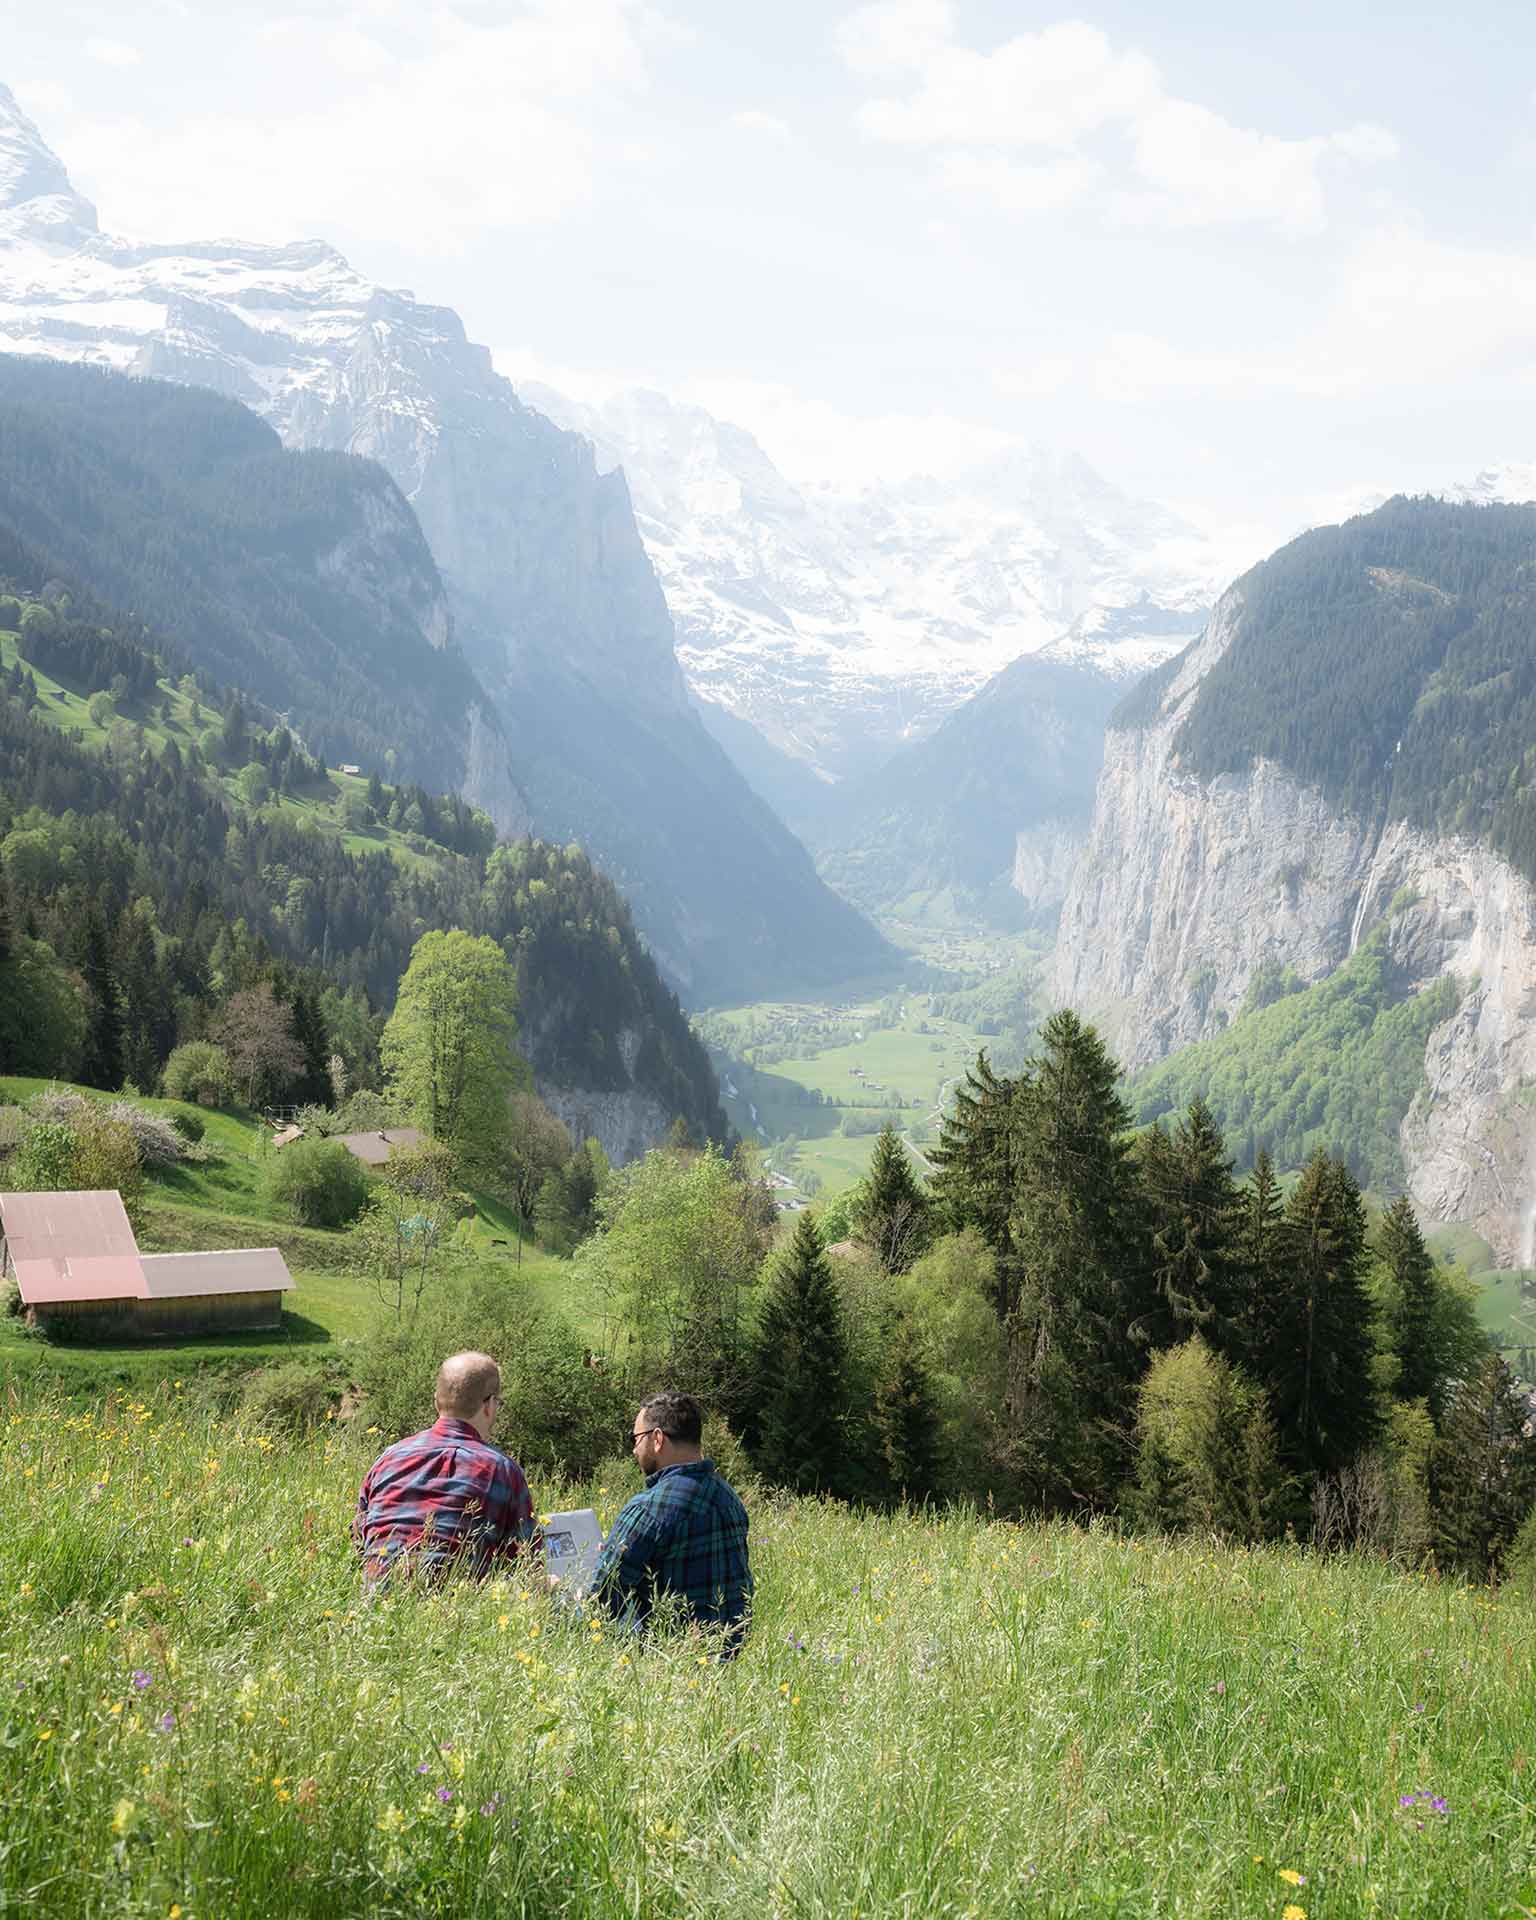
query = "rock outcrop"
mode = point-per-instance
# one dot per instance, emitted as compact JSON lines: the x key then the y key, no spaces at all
{"x":1187,"y":888}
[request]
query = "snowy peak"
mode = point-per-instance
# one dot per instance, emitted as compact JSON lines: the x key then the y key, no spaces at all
{"x":840,"y":626}
{"x":35,"y":191}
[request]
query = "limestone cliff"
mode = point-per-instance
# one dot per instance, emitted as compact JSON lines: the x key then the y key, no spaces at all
{"x":1189,"y":886}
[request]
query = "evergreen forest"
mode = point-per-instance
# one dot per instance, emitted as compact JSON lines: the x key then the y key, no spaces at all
{"x":1391,"y":662}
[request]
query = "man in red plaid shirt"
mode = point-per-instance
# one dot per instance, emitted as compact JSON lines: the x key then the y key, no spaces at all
{"x":447,"y":1497}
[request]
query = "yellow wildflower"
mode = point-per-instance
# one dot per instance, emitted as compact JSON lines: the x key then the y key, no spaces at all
{"x":1294,"y":1913}
{"x":122,"y":1817}
{"x":1291,"y":1877}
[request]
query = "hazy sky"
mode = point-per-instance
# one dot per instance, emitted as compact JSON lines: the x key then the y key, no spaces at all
{"x":1241,"y":259}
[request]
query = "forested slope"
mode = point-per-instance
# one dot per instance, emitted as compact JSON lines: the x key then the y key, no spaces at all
{"x":1391,"y":662}
{"x":302,"y":578}
{"x":128,"y":847}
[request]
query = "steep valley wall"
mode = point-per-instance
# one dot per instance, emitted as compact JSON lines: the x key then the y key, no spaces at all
{"x":1187,"y":889}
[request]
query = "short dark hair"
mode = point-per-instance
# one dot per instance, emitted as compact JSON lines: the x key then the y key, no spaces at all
{"x":678,"y":1415}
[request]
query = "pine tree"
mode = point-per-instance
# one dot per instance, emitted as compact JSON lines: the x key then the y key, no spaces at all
{"x":101,"y":1063}
{"x":796,"y":1388}
{"x":892,"y":1219}
{"x":6,"y":935}
{"x":906,"y":1416}
{"x":975,"y":1174}
{"x":1412,"y":1317}
{"x":1192,"y":1207}
{"x":1258,"y":1254}
{"x":313,"y":1086}
{"x":1482,"y":1471}
{"x":1078,"y":1232}
{"x":1319,"y":1366}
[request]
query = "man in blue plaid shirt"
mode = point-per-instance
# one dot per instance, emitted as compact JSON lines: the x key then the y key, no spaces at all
{"x":680,"y":1547}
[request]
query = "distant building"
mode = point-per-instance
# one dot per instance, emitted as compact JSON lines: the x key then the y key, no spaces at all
{"x":79,"y":1270}
{"x":348,"y":769}
{"x":375,"y":1147}
{"x":285,"y":1136}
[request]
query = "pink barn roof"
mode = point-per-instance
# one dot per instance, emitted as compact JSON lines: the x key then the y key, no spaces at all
{"x":71,"y":1246}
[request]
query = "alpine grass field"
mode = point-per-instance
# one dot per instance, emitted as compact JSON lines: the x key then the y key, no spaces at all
{"x":935,"y":1715}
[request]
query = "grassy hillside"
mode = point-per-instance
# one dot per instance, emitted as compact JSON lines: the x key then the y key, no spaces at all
{"x":934,"y":1716}
{"x":221,"y":1203}
{"x":323,"y":806}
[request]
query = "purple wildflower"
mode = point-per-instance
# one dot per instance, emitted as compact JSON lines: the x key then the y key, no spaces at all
{"x":445,"y":1794}
{"x":491,"y":1805}
{"x":425,"y":1767}
{"x":167,"y":1722}
{"x":1406,"y":1799}
{"x":141,"y":1679}
{"x":1437,"y":1805}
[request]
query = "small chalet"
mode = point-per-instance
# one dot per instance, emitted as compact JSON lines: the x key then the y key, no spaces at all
{"x":78,"y":1267}
{"x":374,"y":1148}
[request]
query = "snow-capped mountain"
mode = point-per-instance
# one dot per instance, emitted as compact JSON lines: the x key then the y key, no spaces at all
{"x":840,"y":626}
{"x":554,"y":601}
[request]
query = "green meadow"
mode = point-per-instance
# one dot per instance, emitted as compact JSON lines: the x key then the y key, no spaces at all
{"x":936,"y":1715}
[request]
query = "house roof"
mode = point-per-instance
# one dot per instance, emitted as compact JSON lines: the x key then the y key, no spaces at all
{"x":375,"y":1147}
{"x":79,"y":1246}
{"x":175,"y":1276}
{"x":71,"y":1246}
{"x":285,"y":1136}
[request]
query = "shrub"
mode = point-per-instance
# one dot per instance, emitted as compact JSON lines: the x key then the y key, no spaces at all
{"x":294,"y":1394}
{"x":155,"y":1137}
{"x":87,"y":1153}
{"x":557,"y":1410}
{"x":190,"y":1124}
{"x":10,"y":1297}
{"x":198,"y":1070}
{"x":319,"y":1182}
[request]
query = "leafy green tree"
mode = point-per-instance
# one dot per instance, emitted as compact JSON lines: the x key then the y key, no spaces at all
{"x":892,"y":1220}
{"x":88,"y":1153}
{"x":318,"y":1181}
{"x":674,"y":1261}
{"x":795,"y":1406}
{"x":412,"y":1209}
{"x":198,"y":1070}
{"x":448,"y":1047}
{"x":43,"y":1019}
{"x":1206,"y":1454}
{"x":538,"y":1145}
{"x":1482,"y":1471}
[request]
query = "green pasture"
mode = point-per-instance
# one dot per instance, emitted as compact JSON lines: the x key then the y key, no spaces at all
{"x":936,"y":1716}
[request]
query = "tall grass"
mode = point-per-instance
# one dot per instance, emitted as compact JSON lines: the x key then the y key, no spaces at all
{"x":936,"y":1715}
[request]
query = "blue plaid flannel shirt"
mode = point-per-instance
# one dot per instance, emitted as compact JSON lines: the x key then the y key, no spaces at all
{"x":686,"y":1534}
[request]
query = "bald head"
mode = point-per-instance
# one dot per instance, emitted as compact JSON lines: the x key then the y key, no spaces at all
{"x":465,"y":1382}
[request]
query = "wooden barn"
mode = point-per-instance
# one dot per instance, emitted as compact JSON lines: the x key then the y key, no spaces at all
{"x":78,"y":1267}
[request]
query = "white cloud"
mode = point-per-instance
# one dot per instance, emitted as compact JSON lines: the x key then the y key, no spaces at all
{"x":457,"y":129}
{"x":894,"y":34}
{"x":1102,"y":111}
{"x":112,"y":53}
{"x":768,"y":125}
{"x":1409,"y":312}
{"x":815,"y":444}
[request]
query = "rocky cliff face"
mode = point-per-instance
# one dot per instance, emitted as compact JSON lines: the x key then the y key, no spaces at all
{"x":1187,"y":888}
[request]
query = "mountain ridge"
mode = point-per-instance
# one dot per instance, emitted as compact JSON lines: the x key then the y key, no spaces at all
{"x":556,"y":606}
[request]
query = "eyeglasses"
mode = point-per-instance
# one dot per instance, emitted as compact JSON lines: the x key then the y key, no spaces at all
{"x":644,"y":1433}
